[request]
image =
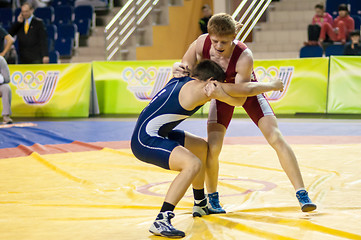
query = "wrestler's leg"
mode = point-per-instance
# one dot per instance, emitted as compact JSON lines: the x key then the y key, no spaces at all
{"x":199,"y":147}
{"x":216,"y":134}
{"x":184,"y":161}
{"x":269,"y":127}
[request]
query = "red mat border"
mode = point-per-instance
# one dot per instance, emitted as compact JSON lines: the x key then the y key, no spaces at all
{"x":77,"y":146}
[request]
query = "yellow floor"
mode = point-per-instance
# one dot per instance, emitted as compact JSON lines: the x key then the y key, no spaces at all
{"x":108,"y":194}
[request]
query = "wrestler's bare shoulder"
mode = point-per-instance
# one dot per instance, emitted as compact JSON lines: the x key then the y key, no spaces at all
{"x":246,"y":58}
{"x":200,"y":41}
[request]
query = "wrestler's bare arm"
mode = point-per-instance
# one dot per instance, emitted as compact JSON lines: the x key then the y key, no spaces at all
{"x":215,"y":90}
{"x":194,"y":52}
{"x":190,"y":58}
{"x":236,"y":91}
{"x":193,"y":94}
{"x":243,"y":86}
{"x":244,"y":69}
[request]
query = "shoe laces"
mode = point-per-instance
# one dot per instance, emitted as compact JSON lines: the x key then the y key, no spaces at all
{"x":168,"y":217}
{"x":303,"y":197}
{"x":214,"y":202}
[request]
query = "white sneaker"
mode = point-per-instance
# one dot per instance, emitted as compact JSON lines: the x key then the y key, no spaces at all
{"x":7,"y":119}
{"x":163,"y":227}
{"x":200,"y":211}
{"x":200,"y":208}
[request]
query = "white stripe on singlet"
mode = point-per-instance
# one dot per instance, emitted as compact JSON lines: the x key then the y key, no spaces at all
{"x":212,"y":114}
{"x":263,"y":103}
{"x":156,"y":123}
{"x":266,"y":108}
{"x":141,"y":126}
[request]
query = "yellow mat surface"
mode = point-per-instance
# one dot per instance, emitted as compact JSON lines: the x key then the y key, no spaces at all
{"x":109,"y":194}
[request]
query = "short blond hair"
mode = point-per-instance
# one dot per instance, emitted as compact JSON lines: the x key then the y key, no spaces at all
{"x":221,"y":24}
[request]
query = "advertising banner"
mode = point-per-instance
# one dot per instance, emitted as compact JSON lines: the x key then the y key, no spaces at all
{"x":345,"y":85}
{"x":50,"y":90}
{"x":126,"y":87}
{"x":305,"y":83}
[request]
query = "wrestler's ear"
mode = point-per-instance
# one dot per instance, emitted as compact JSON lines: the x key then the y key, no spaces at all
{"x":238,"y":28}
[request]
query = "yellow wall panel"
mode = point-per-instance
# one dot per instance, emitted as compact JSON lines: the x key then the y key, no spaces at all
{"x":172,"y":41}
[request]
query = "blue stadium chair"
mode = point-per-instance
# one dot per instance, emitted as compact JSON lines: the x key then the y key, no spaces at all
{"x":84,"y":11}
{"x":45,"y":13}
{"x":54,"y":57}
{"x":332,"y":6}
{"x":357,"y":20}
{"x":83,"y":26}
{"x":6,"y":17}
{"x":311,"y":51}
{"x":57,"y":3}
{"x":63,"y":15}
{"x":84,"y":15}
{"x":336,"y":50}
{"x":71,"y":3}
{"x":69,"y":31}
{"x":52,"y":31}
{"x":17,"y":12}
{"x":355,"y":7}
{"x":65,"y":47}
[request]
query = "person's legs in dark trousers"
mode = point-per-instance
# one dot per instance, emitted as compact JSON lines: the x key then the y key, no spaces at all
{"x":313,"y":34}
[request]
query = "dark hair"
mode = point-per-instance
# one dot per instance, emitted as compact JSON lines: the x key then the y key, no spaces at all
{"x":320,"y":6}
{"x":343,"y":7}
{"x":207,"y":69}
{"x":205,"y":6}
{"x":355,"y":33}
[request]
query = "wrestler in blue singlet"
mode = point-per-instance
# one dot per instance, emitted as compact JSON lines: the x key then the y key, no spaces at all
{"x":154,"y":138}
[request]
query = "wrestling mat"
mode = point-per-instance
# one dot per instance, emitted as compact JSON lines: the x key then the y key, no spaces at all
{"x":78,"y":180}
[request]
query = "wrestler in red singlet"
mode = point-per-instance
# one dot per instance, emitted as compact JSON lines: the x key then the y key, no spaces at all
{"x":256,"y":106}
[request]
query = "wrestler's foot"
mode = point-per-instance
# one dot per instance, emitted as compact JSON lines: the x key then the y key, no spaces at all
{"x":200,"y":208}
{"x":305,"y":202}
{"x":213,"y":204}
{"x":163,"y":227}
{"x":7,"y":119}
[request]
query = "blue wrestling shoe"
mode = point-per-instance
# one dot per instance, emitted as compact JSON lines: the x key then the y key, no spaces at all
{"x":213,"y":204}
{"x":305,"y":201}
{"x":163,"y":227}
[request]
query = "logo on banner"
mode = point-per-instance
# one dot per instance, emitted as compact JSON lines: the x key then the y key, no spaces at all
{"x":35,"y":88}
{"x":284,"y":73}
{"x":145,"y":83}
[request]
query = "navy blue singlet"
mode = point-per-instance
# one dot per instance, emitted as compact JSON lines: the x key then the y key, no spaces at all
{"x":153,"y":138}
